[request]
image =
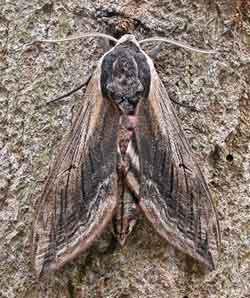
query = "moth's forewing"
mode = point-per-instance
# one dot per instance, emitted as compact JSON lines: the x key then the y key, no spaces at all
{"x":173,"y":193}
{"x":80,"y":195}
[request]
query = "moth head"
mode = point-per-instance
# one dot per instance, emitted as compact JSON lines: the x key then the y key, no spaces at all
{"x":127,"y":38}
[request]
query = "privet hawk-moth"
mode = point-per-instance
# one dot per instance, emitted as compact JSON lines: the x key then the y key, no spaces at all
{"x":125,"y":152}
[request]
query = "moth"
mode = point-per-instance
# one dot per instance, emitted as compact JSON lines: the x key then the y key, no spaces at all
{"x":126,"y":152}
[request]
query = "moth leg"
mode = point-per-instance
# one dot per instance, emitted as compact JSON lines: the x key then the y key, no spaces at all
{"x":153,"y":53}
{"x":187,"y":106}
{"x":72,"y":91}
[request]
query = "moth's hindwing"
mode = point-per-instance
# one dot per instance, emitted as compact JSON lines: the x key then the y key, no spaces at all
{"x":173,"y":193}
{"x":80,"y":194}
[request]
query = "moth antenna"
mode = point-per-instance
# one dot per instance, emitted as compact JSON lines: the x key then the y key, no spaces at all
{"x":94,"y":34}
{"x":179,"y":44}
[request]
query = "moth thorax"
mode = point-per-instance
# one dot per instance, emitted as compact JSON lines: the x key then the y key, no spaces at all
{"x":125,"y":87}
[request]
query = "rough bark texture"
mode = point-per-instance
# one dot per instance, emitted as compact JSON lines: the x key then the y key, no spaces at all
{"x":30,"y":132}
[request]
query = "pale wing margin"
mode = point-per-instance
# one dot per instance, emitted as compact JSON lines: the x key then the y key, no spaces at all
{"x":80,"y":194}
{"x":173,"y":193}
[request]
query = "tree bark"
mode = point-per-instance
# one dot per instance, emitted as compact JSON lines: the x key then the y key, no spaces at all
{"x":218,"y":85}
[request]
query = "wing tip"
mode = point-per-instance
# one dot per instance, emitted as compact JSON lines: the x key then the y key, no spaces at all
{"x":209,"y":260}
{"x":43,"y":266}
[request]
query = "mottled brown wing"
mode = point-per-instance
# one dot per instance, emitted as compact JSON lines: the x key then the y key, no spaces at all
{"x":173,"y":193}
{"x":80,"y":194}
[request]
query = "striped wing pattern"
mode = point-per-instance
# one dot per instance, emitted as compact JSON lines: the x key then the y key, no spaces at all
{"x":81,"y":191}
{"x":173,"y":193}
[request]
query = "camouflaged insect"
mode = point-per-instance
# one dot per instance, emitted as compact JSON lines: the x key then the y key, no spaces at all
{"x":125,"y":152}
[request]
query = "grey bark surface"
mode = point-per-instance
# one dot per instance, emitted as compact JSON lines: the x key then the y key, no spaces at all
{"x":217,"y":85}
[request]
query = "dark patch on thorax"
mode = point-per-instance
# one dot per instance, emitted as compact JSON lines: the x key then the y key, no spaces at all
{"x":125,"y":77}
